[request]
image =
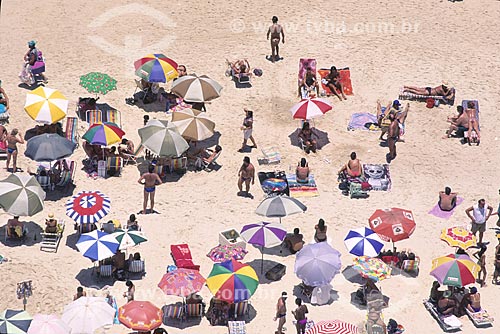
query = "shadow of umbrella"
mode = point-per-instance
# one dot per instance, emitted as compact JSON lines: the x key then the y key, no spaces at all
{"x":297,"y":292}
{"x":320,"y":136}
{"x":266,"y":265}
{"x":353,"y":276}
{"x":89,"y":279}
{"x":72,"y":239}
{"x":178,"y":323}
{"x":32,"y":237}
{"x":60,"y":193}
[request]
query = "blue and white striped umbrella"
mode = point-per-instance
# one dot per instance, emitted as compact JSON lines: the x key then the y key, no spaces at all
{"x":363,"y":242}
{"x":97,"y":245}
{"x":88,"y":207}
{"x":14,"y":322}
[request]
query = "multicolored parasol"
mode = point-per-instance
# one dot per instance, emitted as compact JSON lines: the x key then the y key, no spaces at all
{"x":372,"y":268}
{"x":181,"y":282}
{"x":156,"y":68}
{"x":455,"y":270}
{"x":224,"y":253}
{"x":458,"y":237}
{"x":104,"y":134}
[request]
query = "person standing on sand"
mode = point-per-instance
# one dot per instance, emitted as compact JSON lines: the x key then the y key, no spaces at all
{"x":247,"y":129}
{"x":281,"y":312}
{"x":300,"y":316}
{"x":480,"y":214}
{"x":392,"y":136}
{"x":276,"y":32}
{"x":151,"y":179}
{"x":12,"y":140}
{"x":246,"y":174}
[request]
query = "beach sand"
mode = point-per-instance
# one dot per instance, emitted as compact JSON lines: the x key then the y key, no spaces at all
{"x":430,"y":41}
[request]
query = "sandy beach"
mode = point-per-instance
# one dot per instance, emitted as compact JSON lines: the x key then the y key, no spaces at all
{"x":385,"y":44}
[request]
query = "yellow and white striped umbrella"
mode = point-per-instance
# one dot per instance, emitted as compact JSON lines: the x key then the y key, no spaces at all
{"x":46,"y":105}
{"x":193,"y":124}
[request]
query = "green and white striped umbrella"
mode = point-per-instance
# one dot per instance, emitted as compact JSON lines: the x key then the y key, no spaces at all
{"x":14,"y":322}
{"x":21,"y":195}
{"x":129,"y":238}
{"x":163,"y":139}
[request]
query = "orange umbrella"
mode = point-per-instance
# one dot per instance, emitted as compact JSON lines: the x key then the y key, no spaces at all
{"x":140,"y":316}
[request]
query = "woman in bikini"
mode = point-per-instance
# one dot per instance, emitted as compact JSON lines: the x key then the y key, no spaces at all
{"x":12,"y":140}
{"x":334,"y":84}
{"x":320,"y":234}
{"x":353,"y":167}
{"x":473,"y":121}
{"x":306,"y":135}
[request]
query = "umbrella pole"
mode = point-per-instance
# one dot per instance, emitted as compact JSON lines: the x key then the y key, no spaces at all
{"x":280,"y":220}
{"x":262,"y":260}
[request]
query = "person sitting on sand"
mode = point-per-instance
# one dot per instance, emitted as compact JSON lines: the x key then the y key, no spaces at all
{"x":447,"y":304}
{"x":353,"y":167}
{"x":447,"y":199}
{"x":132,"y":224}
{"x":294,"y":242}
{"x":79,"y":293}
{"x":442,"y":90}
{"x":302,"y":171}
{"x":320,"y":231}
{"x":50,"y":224}
{"x":4,"y":99}
{"x":239,"y":67}
{"x":435,"y":294}
{"x":309,"y":84}
{"x":334,"y":84}
{"x":126,"y":147}
{"x":458,"y":123}
{"x":306,"y":134}
{"x":16,"y":228}
{"x":472,"y":300}
{"x":473,"y":121}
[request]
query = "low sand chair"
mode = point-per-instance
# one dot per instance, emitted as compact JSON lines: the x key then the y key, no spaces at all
{"x":51,"y":240}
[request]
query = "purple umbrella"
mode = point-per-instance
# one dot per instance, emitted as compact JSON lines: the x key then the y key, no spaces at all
{"x":264,"y":235}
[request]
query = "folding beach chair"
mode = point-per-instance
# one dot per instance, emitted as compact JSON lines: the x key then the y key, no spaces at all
{"x":411,"y":266}
{"x":105,"y":271}
{"x":67,"y":176}
{"x":304,"y":64}
{"x":71,"y":132}
{"x":178,"y":165}
{"x":136,"y":269}
{"x":140,"y":87}
{"x":172,"y":312}
{"x":93,"y":116}
{"x":51,"y":240}
{"x":181,"y":255}
{"x":113,"y":116}
{"x":241,"y":310}
{"x":114,"y":166}
{"x":193,"y":310}
{"x":271,"y":155}
{"x":207,"y":164}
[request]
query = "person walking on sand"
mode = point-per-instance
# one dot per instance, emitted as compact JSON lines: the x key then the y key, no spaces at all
{"x":150,"y":179}
{"x":300,"y":316}
{"x":130,"y":293}
{"x":392,"y":136}
{"x":480,"y":214}
{"x":246,"y":174}
{"x":247,"y":130}
{"x":481,"y":261}
{"x":276,"y":32}
{"x":281,"y":312}
{"x":12,"y":140}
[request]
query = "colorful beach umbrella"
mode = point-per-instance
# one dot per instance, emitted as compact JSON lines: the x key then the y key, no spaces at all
{"x":97,"y":245}
{"x":128,"y":238}
{"x":49,"y":147}
{"x":104,"y":134}
{"x":163,"y":139}
{"x":193,"y":88}
{"x":222,"y":253}
{"x":310,"y":108}
{"x":181,"y":282}
{"x":156,"y":68}
{"x":372,"y":268}
{"x":458,"y":237}
{"x":317,"y":264}
{"x":455,"y":270}
{"x":363,"y":241}
{"x":98,"y":83}
{"x":48,"y":324}
{"x":140,"y":315}
{"x":393,"y":224}
{"x":21,"y":195}
{"x":14,"y":322}
{"x":46,"y":105}
{"x":280,"y":206}
{"x":88,"y":207}
{"x":193,"y":124}
{"x":87,"y":314}
{"x":232,"y":281}
{"x":333,"y":327}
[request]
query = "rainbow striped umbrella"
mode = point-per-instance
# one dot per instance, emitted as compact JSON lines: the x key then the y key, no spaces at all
{"x":104,"y":134}
{"x":156,"y":68}
{"x":46,"y":105}
{"x":333,"y":327}
{"x":372,"y":268}
{"x":458,"y":237}
{"x":455,"y":270}
{"x":232,"y":281}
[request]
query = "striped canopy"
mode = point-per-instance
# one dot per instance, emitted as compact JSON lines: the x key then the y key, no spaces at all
{"x":163,"y":139}
{"x":129,"y":238}
{"x":363,"y":241}
{"x":193,"y":124}
{"x":310,"y":108}
{"x":193,"y":88}
{"x":48,"y":324}
{"x":455,"y":270}
{"x":97,"y":245}
{"x":21,"y":195}
{"x":458,"y":237}
{"x":317,"y":264}
{"x":280,"y":206}
{"x":87,"y":314}
{"x":156,"y":68}
{"x":104,"y":134}
{"x":46,"y":105}
{"x":263,"y":234}
{"x":140,"y":316}
{"x":14,"y":322}
{"x":232,"y":281}
{"x":333,"y":327}
{"x":88,"y":207}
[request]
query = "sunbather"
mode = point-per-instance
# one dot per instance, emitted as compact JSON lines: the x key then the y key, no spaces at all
{"x":447,"y":199}
{"x":4,"y":99}
{"x":472,"y":300}
{"x":294,"y":242}
{"x":132,"y":223}
{"x":50,"y":224}
{"x":447,"y":305}
{"x":79,"y":293}
{"x":306,"y":134}
{"x":309,"y":84}
{"x":206,"y":156}
{"x":353,"y":167}
{"x":383,"y":116}
{"x":15,"y":228}
{"x":458,"y":123}
{"x":435,"y":294}
{"x":334,"y":84}
{"x":240,"y":67}
{"x":302,"y":171}
{"x":442,"y":90}
{"x":126,"y":147}
{"x":473,"y":122}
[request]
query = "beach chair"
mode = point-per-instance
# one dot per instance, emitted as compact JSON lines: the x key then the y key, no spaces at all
{"x":271,"y":155}
{"x":44,"y":181}
{"x":305,"y":63}
{"x":207,"y":165}
{"x":422,"y":98}
{"x":236,"y":327}
{"x":105,"y":271}
{"x":480,"y":318}
{"x":345,"y":80}
{"x":15,"y":234}
{"x":139,"y":86}
{"x":193,"y":311}
{"x":71,"y":132}
{"x":51,"y":240}
{"x":181,"y":255}
{"x":241,"y":310}
{"x":67,"y":176}
{"x":86,"y":227}
{"x":172,"y":312}
{"x":447,"y":322}
{"x":93,"y":116}
{"x":113,"y":116}
{"x":411,"y":266}
{"x":114,"y":166}
{"x":108,"y":227}
{"x":3,"y":150}
{"x":178,"y":165}
{"x":136,"y":269}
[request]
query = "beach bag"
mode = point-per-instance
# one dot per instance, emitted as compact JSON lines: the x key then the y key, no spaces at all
{"x":430,"y":103}
{"x":258,"y":72}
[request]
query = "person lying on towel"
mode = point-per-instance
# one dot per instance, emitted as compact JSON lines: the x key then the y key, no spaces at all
{"x":333,"y":82}
{"x":442,"y":90}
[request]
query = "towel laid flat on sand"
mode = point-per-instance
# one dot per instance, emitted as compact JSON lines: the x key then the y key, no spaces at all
{"x":436,"y":210}
{"x":297,"y":189}
{"x":345,"y":79}
{"x":358,"y":121}
{"x":378,"y":176}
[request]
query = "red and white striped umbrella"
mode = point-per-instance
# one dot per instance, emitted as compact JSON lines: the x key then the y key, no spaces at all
{"x":310,"y":108}
{"x":333,"y":327}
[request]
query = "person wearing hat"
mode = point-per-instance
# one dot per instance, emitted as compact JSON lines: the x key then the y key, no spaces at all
{"x":447,"y":305}
{"x":31,"y":55}
{"x":50,"y":224}
{"x":383,"y":113}
{"x":443,"y":90}
{"x":4,"y":99}
{"x":472,"y":300}
{"x":281,"y":312}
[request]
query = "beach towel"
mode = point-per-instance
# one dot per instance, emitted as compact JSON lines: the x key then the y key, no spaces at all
{"x":297,"y":189}
{"x":436,"y":210}
{"x":422,"y":98}
{"x":273,"y":182}
{"x":378,"y":176}
{"x":358,"y":121}
{"x":345,"y":79}
{"x":305,"y":63}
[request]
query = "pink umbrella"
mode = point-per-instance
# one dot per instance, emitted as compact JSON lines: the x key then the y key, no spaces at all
{"x":181,"y":282}
{"x":48,"y":324}
{"x":310,"y":108}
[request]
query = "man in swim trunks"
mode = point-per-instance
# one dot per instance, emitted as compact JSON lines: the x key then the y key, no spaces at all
{"x":460,"y":122}
{"x":353,"y":167}
{"x":392,"y":136}
{"x":12,"y":140}
{"x":151,"y":179}
{"x":281,"y":312}
{"x":447,"y":199}
{"x":275,"y":31}
{"x":442,"y":90}
{"x":246,"y":174}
